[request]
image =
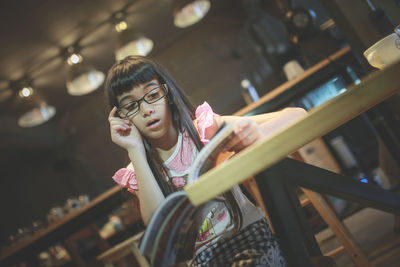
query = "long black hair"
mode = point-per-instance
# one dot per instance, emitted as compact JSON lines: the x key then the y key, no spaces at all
{"x":134,"y":70}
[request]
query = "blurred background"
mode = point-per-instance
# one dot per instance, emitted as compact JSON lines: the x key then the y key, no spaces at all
{"x":54,"y":133}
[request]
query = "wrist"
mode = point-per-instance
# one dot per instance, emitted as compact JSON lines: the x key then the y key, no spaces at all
{"x":136,"y":153}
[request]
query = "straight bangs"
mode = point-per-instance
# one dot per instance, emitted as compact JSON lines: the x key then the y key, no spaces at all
{"x":124,"y":79}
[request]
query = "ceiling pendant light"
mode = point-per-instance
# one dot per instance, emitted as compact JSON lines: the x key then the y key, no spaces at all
{"x":38,"y":111}
{"x":189,"y":12}
{"x":81,"y":77}
{"x":129,"y":42}
{"x":37,"y":115}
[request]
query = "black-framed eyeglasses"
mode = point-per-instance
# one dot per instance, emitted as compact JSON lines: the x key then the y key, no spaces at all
{"x":154,"y":95}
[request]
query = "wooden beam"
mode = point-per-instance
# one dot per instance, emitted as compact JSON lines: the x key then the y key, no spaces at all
{"x":373,"y":89}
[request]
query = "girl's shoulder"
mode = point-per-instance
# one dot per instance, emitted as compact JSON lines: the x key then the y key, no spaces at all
{"x":126,"y":177}
{"x":206,"y":122}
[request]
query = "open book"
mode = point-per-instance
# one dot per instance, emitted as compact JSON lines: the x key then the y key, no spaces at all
{"x":171,"y":234}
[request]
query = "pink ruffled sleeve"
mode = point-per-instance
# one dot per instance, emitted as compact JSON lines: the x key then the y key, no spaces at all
{"x":204,"y":119}
{"x":126,"y":178}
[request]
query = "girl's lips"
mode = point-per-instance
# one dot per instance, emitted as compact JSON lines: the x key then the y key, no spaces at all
{"x":153,"y":124}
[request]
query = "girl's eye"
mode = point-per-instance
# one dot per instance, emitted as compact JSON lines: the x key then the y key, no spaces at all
{"x":155,"y":94}
{"x":132,"y":106}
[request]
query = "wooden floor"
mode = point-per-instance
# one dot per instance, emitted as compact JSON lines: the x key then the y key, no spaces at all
{"x":373,"y":231}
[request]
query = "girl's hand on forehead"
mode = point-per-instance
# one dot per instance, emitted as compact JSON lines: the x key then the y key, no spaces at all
{"x":123,"y":132}
{"x":247,"y":133}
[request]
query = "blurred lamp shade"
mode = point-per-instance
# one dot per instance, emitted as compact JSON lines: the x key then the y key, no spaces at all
{"x":130,"y":43}
{"x":189,"y":12}
{"x":83,"y":79}
{"x":37,"y":115}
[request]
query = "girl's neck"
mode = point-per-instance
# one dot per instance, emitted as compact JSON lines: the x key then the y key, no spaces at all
{"x":165,"y":146}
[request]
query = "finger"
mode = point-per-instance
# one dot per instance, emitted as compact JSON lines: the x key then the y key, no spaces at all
{"x":241,"y":132}
{"x":125,"y":132}
{"x":250,"y":133}
{"x":232,"y":143}
{"x":120,"y":124}
{"x":123,"y":126}
{"x":252,"y":137}
{"x":112,"y":113}
{"x":246,"y":142}
{"x":121,"y":130}
{"x":244,"y":127}
{"x":122,"y":115}
{"x":118,"y":129}
{"x":238,"y":147}
{"x":241,"y":144}
{"x":119,"y":121}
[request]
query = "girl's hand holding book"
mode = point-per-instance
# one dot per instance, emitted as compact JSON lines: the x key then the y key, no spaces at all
{"x":247,"y":132}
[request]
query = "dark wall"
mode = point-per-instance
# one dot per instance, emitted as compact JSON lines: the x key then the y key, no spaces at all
{"x":362,"y":29}
{"x":80,"y":162}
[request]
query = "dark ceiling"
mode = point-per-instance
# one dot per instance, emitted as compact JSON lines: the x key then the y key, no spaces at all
{"x":35,"y":33}
{"x":34,"y":36}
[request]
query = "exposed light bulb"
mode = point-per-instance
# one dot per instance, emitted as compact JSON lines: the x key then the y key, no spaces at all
{"x":74,"y":59}
{"x":121,"y":26}
{"x":25,"y":92}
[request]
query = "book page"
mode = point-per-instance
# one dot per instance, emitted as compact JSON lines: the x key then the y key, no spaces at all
{"x":213,"y":153}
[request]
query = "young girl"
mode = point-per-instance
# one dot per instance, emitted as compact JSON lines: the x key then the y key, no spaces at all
{"x":154,"y":121}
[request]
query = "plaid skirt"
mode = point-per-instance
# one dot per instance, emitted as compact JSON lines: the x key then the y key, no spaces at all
{"x":255,"y":245}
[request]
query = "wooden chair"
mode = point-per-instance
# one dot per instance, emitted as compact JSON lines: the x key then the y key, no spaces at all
{"x":327,"y":213}
{"x":88,"y":232}
{"x":124,"y":254}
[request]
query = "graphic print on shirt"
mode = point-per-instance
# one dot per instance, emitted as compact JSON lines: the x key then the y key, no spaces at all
{"x":215,"y":223}
{"x":218,"y":220}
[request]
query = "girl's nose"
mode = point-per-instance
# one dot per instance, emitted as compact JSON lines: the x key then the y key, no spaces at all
{"x":146,"y":109}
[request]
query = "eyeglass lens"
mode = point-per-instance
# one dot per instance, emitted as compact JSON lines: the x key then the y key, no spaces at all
{"x":133,"y":107}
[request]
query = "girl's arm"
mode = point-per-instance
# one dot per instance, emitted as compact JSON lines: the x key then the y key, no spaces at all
{"x":125,"y":134}
{"x":253,"y":128}
{"x":150,"y":195}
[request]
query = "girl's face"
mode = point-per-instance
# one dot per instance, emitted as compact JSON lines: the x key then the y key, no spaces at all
{"x":154,"y":120}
